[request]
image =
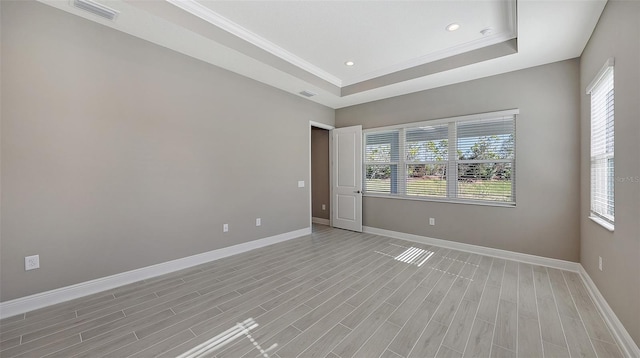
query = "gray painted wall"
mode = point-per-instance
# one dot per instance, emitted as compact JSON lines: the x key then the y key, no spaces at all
{"x":320,"y":184}
{"x":545,"y":221}
{"x":119,"y":154}
{"x":616,"y":35}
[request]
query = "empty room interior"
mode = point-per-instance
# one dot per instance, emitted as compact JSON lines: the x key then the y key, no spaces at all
{"x":196,"y":178}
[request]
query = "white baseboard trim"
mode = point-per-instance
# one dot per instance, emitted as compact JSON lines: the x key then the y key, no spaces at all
{"x":320,"y":221}
{"x":43,"y":299}
{"x":629,"y":347}
{"x":487,"y":251}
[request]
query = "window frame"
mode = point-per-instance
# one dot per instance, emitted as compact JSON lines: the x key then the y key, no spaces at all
{"x":451,"y":163}
{"x":606,"y":73}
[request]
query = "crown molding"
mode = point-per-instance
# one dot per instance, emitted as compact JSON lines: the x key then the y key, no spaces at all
{"x":510,"y":33}
{"x":434,"y":56}
{"x":195,"y":8}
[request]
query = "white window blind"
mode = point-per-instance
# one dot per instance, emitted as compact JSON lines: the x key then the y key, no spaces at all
{"x":602,"y":144}
{"x":381,"y":159}
{"x":469,"y":158}
{"x":486,"y":159}
{"x":426,"y":160}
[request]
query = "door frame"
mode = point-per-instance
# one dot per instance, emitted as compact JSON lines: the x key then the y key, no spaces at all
{"x":329,"y":128}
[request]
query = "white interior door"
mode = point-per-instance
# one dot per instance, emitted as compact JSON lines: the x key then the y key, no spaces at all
{"x":347,"y":178}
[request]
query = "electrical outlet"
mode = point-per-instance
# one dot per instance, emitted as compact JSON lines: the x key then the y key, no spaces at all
{"x":258,"y":222}
{"x":600,"y":263}
{"x":31,"y":262}
{"x":225,"y":227}
{"x":432,"y":221}
{"x":324,"y":207}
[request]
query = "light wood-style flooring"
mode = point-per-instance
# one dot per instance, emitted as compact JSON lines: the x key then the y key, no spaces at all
{"x":332,"y":294}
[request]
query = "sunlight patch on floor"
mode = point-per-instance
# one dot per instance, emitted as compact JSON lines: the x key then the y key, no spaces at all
{"x":226,"y":337}
{"x":411,"y":255}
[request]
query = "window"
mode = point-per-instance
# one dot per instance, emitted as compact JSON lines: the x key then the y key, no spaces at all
{"x":602,"y":146}
{"x":381,"y":158}
{"x":426,"y":160}
{"x":467,"y":159}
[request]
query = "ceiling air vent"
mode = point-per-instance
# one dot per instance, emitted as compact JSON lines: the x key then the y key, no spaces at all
{"x":308,"y":93}
{"x":96,"y":9}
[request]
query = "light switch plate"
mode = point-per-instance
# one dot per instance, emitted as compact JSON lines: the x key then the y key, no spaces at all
{"x":301,"y":184}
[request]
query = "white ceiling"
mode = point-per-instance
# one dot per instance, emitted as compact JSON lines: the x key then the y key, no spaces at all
{"x":396,"y":45}
{"x":379,"y":36}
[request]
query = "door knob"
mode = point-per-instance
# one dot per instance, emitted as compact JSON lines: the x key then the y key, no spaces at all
{"x":358,"y":192}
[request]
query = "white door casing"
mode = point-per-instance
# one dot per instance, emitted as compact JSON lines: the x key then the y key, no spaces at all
{"x":347,"y":178}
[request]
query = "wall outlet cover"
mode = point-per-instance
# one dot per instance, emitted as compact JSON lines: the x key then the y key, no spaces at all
{"x":31,"y":262}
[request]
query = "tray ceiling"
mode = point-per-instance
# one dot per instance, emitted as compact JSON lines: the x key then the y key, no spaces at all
{"x":397,"y":47}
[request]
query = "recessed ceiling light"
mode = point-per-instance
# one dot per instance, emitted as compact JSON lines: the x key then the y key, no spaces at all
{"x":452,"y":27}
{"x":349,"y":63}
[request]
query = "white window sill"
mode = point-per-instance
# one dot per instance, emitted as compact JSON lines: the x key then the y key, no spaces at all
{"x":443,"y":200}
{"x":607,"y":225}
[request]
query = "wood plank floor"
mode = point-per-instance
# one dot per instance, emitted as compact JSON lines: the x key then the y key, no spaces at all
{"x":333,"y":294}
